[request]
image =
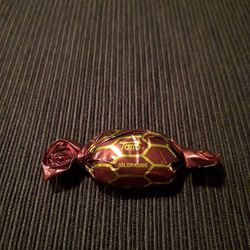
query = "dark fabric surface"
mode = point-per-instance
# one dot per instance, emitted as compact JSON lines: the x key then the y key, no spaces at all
{"x":71,"y":69}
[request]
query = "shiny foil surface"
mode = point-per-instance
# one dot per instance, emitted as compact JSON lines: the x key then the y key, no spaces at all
{"x":126,"y":158}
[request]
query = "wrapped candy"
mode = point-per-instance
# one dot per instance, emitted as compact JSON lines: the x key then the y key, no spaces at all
{"x":126,"y":158}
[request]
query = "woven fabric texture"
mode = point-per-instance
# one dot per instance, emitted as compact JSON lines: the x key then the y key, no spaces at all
{"x":71,"y":69}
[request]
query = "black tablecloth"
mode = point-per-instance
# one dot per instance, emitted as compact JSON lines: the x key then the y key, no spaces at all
{"x":71,"y":69}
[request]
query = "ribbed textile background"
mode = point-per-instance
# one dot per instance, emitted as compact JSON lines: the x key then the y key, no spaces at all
{"x":72,"y":68}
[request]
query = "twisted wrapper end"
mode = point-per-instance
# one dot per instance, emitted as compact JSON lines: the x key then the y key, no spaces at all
{"x":59,"y":157}
{"x":197,"y":159}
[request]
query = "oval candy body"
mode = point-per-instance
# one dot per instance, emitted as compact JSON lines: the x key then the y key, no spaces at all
{"x":128,"y":159}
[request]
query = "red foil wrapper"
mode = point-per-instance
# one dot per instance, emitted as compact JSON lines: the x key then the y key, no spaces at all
{"x":126,"y":158}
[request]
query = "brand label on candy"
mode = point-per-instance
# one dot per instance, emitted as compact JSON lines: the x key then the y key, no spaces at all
{"x":130,"y":146}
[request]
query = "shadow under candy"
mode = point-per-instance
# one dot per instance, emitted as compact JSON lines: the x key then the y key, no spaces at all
{"x":211,"y":177}
{"x":69,"y":179}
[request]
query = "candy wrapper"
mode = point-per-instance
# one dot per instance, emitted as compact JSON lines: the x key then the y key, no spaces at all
{"x":126,"y":158}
